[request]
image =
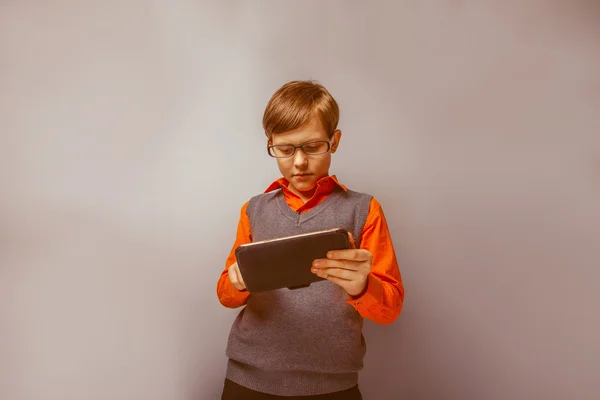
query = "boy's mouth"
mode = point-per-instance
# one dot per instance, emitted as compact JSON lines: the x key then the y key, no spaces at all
{"x":301,"y":176}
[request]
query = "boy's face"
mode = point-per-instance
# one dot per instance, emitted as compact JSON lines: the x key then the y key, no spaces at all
{"x":301,"y":170}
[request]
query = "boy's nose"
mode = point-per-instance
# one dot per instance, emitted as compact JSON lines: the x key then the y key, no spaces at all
{"x":300,"y":158}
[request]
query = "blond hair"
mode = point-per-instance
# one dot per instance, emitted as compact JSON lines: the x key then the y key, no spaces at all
{"x":295,"y":103}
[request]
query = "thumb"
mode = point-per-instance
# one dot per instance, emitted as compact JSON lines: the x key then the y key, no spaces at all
{"x":352,"y":244}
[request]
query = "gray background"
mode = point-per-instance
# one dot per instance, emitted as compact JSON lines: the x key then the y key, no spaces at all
{"x":130,"y":136}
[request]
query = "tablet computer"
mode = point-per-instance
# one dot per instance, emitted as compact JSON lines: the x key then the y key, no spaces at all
{"x":286,"y":262}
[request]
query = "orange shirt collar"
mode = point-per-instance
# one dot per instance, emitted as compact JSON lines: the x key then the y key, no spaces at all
{"x":329,"y":181}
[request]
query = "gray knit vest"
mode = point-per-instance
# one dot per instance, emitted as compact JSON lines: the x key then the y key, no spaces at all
{"x":304,"y":341}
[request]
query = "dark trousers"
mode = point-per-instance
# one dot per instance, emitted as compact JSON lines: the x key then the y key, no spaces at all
{"x":233,"y":391}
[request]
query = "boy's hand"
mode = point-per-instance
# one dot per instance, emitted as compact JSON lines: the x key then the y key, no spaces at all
{"x":348,"y":268}
{"x":235,"y":277}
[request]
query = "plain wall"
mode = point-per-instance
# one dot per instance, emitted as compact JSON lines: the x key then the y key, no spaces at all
{"x":130,"y":137}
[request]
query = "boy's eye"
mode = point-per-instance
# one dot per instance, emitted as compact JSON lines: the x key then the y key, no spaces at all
{"x":315,"y":147}
{"x":284,"y":150}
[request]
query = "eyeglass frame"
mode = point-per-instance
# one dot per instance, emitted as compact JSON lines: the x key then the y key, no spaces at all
{"x":299,"y":146}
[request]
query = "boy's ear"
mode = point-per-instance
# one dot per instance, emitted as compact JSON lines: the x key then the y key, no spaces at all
{"x":335,"y":140}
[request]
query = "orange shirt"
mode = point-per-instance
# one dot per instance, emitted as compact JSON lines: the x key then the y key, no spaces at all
{"x":383,"y":299}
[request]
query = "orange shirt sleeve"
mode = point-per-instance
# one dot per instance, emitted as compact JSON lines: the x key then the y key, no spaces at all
{"x":228,"y":295}
{"x":384,"y":296}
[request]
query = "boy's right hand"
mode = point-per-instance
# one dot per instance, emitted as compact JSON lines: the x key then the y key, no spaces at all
{"x":235,"y":277}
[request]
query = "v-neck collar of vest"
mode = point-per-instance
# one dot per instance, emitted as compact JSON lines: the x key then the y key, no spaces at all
{"x":300,"y":217}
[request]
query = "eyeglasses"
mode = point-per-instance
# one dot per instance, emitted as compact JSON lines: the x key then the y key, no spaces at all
{"x":311,"y":148}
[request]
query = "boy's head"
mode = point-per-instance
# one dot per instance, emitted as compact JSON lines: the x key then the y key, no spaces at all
{"x":302,"y":112}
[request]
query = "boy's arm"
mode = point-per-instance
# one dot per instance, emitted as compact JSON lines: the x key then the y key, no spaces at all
{"x":384,"y":294}
{"x":228,"y":295}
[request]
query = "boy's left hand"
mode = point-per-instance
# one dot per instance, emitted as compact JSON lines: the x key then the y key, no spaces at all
{"x":348,"y":268}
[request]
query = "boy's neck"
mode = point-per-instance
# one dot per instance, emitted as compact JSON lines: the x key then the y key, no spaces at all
{"x":307,"y":195}
{"x":304,"y":196}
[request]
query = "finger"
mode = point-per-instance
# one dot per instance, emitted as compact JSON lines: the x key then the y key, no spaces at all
{"x":352,"y":243}
{"x":240,"y":277}
{"x":350,"y":255}
{"x":343,"y":264}
{"x":332,"y":278}
{"x":340,"y":273}
{"x":241,"y":281}
{"x":236,"y":277}
{"x":339,"y":281}
{"x":233,"y":275}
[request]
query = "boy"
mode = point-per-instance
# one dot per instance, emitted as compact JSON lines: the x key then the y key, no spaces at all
{"x":308,"y":343}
